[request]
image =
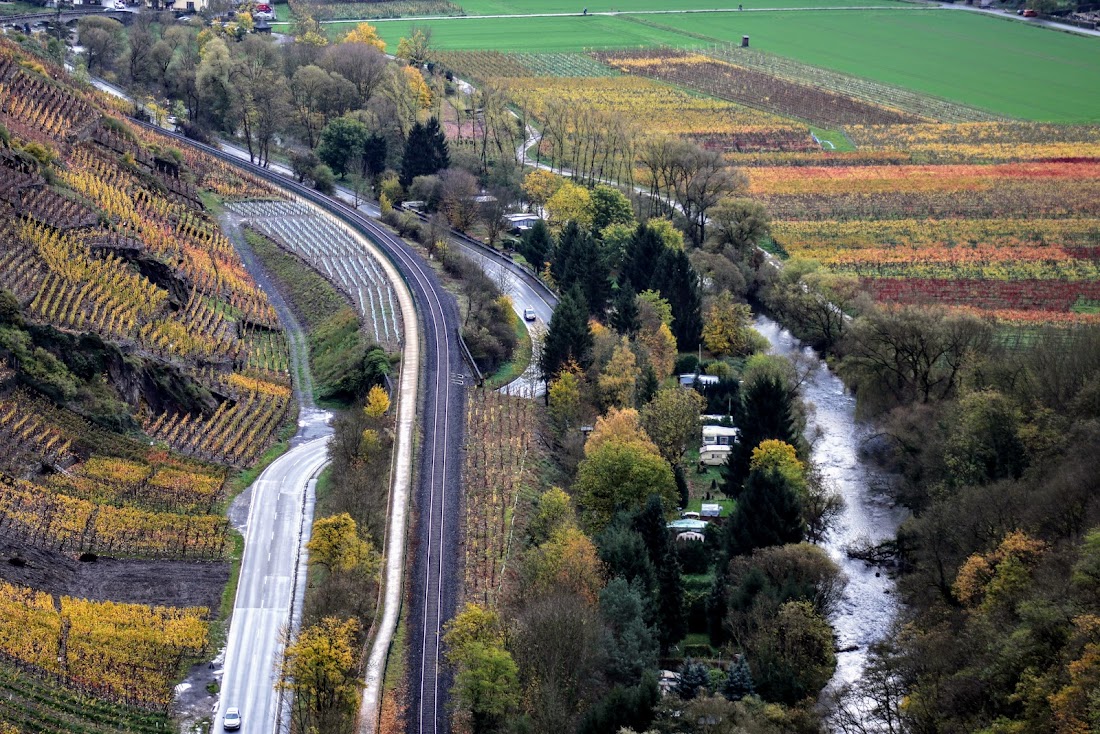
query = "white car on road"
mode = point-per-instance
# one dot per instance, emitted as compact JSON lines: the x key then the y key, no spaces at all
{"x":232,"y":719}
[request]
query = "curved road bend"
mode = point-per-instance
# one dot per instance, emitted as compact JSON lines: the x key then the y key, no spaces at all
{"x":280,"y":513}
{"x":434,"y":578}
{"x":444,"y":375}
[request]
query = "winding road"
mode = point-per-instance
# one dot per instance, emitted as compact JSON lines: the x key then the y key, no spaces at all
{"x":440,"y":417}
{"x":279,"y":506}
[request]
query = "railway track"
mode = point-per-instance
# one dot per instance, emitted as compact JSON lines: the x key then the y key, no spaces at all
{"x":444,"y":376}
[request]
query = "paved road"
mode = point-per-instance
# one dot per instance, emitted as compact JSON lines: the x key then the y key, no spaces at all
{"x":434,"y":578}
{"x":279,"y":519}
{"x":1051,"y":24}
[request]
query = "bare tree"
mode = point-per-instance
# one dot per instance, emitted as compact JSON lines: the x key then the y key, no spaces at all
{"x":872,"y":705}
{"x":492,"y":212}
{"x":821,"y":505}
{"x":459,"y":189}
{"x":363,"y":65}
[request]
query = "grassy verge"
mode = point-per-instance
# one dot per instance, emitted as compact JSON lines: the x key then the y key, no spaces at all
{"x":336,"y":343}
{"x":833,"y":140}
{"x":696,"y":505}
{"x":701,"y":482}
{"x":521,"y":355}
{"x":229,"y":593}
{"x":395,"y":662}
{"x":212,"y":203}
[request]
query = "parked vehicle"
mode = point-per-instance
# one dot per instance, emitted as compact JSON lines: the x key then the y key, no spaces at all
{"x":714,"y":455}
{"x":1029,"y":13}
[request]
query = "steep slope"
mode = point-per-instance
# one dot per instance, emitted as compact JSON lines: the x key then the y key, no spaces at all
{"x":140,"y":365}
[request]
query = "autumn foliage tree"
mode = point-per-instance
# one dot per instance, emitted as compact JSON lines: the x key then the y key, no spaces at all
{"x":336,"y":545}
{"x":318,"y":670}
{"x":539,"y":185}
{"x":365,"y":33}
{"x":486,"y":685}
{"x":727,"y":327}
{"x":620,"y":472}
{"x":671,"y":419}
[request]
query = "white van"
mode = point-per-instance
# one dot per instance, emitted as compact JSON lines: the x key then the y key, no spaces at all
{"x":714,"y":455}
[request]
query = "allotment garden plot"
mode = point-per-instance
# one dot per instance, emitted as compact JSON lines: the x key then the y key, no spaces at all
{"x":334,"y":251}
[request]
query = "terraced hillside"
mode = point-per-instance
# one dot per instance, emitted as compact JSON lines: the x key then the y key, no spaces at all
{"x":140,"y":366}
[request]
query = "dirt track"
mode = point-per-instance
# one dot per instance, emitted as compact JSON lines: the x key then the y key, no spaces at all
{"x":166,"y":583}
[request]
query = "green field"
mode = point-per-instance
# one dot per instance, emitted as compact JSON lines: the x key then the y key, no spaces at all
{"x":534,"y":34}
{"x":518,"y":7}
{"x":1004,"y":66}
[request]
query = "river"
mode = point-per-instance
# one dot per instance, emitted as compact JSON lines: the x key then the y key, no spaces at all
{"x":869,"y":605}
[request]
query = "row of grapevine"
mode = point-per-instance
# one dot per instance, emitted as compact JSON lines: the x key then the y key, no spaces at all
{"x":868,"y":90}
{"x":498,"y":468}
{"x":44,"y":205}
{"x":336,"y":253}
{"x":31,"y":100}
{"x":754,"y":88}
{"x":25,"y":435}
{"x":268,"y":352}
{"x":108,"y":480}
{"x":237,"y":433}
{"x":123,"y":652}
{"x":36,"y":516}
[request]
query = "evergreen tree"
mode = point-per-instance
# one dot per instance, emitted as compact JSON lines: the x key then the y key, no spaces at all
{"x":718,"y":604}
{"x":678,"y":283}
{"x":564,"y":257}
{"x":374,"y":154}
{"x":681,"y":485}
{"x":768,"y":413}
{"x":577,"y":262}
{"x":568,"y":336}
{"x":768,"y":512}
{"x":624,"y":556}
{"x":342,"y":140}
{"x":591,"y":273}
{"x":631,"y":644}
{"x":650,"y":523}
{"x":625,"y":318}
{"x":648,"y":385}
{"x":538,"y":245}
{"x":623,"y":708}
{"x":642,"y":254}
{"x":671,"y":618}
{"x":738,"y":683}
{"x":425,"y":152}
{"x":693,"y":676}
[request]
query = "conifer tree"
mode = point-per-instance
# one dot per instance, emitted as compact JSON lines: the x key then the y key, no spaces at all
{"x":568,"y":336}
{"x":678,"y":283}
{"x":738,"y":683}
{"x":625,"y":318}
{"x":768,"y":414}
{"x":425,"y":152}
